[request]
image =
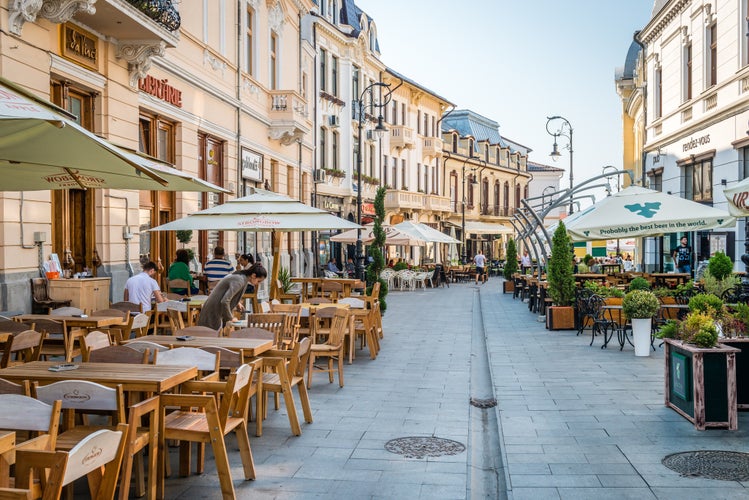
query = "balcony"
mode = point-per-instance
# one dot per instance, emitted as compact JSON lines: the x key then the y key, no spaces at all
{"x":289,"y":116}
{"x":431,"y":147}
{"x":437,"y":203}
{"x":401,"y":137}
{"x":396,"y":199}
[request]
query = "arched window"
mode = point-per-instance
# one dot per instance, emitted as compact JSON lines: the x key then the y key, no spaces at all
{"x":470,"y":147}
{"x":454,"y":190}
{"x":455,"y":143}
{"x":506,"y":198}
{"x":517,"y":195}
{"x":525,"y":192}
{"x":470,"y":181}
{"x":496,"y":197}
{"x":485,"y":196}
{"x":498,"y":153}
{"x":486,"y":152}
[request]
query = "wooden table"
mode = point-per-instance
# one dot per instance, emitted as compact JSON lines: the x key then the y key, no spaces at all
{"x":89,"y":322}
{"x":601,"y":278}
{"x":135,"y":378}
{"x":662,"y":279}
{"x":307,"y":283}
{"x":348,"y":284}
{"x":250,"y":347}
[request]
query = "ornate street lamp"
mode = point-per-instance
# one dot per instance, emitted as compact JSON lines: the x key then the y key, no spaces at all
{"x":565,"y":130}
{"x":463,"y":207}
{"x":380,"y":130}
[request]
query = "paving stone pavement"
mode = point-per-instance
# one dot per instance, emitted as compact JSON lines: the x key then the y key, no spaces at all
{"x":577,"y":421}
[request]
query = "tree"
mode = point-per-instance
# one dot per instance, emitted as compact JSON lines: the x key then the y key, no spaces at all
{"x":376,"y":249}
{"x":561,"y":270}
{"x":511,"y":263}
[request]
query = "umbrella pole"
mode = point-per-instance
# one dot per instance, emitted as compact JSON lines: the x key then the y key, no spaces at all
{"x":276,"y":245}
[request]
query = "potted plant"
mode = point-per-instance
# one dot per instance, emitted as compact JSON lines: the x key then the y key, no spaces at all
{"x":639,"y":283}
{"x":719,"y":277}
{"x":561,"y":316}
{"x":184,"y":236}
{"x":511,"y":266}
{"x":640,"y":306}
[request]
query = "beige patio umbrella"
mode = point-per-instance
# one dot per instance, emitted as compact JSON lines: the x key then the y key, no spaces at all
{"x":261,"y":211}
{"x":392,"y":236}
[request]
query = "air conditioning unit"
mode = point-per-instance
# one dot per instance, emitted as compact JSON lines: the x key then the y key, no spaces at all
{"x":334,"y":121}
{"x":319,"y":176}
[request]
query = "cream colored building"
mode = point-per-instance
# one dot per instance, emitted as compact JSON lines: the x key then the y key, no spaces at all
{"x":219,"y":85}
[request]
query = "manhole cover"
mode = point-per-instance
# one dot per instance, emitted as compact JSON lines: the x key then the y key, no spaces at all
{"x":483,"y":403}
{"x":712,"y":464}
{"x":420,"y":447}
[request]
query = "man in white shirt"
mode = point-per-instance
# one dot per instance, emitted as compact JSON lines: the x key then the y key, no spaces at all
{"x":140,"y":288}
{"x":525,"y":262}
{"x":480,"y":262}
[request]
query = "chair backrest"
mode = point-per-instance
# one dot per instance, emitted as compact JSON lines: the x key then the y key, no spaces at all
{"x":39,"y":290}
{"x":99,"y":453}
{"x":119,"y":354}
{"x":189,"y":356}
{"x":595,"y":307}
{"x":140,"y":324}
{"x":142,"y":345}
{"x":229,"y":359}
{"x":273,"y":322}
{"x":331,"y":289}
{"x":338,"y":328}
{"x":25,"y":346}
{"x":178,"y":284}
{"x":176,"y":321}
{"x":253,"y":333}
{"x":375,"y":290}
{"x":83,"y":396}
{"x":92,"y":341}
{"x":50,"y":326}
{"x":353,"y":302}
{"x":235,"y":400}
{"x":198,"y":331}
{"x":10,"y":326}
{"x":24,"y":413}
{"x":8,"y":387}
{"x":111,"y":312}
{"x":319,"y":300}
{"x":299,"y":357}
{"x":66,"y":311}
{"x":126,"y":306}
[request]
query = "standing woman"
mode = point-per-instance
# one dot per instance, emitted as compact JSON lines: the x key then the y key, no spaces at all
{"x":226,"y":296}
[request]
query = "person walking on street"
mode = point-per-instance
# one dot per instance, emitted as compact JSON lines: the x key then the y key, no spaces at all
{"x":480,"y":262}
{"x":217,"y":309}
{"x":682,"y":256}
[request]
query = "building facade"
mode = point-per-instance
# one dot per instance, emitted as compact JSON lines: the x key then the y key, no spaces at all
{"x":696,"y":60}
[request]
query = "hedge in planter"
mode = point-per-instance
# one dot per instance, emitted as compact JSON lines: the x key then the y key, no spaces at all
{"x":511,"y":266}
{"x":561,"y":279}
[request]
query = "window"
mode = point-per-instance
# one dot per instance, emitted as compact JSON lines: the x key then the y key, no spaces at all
{"x":394,"y":114}
{"x":403,"y":114}
{"x":249,"y":45}
{"x":712,"y":54}
{"x":455,"y":143}
{"x":273,"y":61}
{"x":517,"y":195}
{"x":323,"y":68}
{"x":426,"y":125}
{"x":385,"y":169}
{"x":454,"y":190}
{"x":334,"y":75}
{"x":470,"y":147}
{"x":486,"y":152}
{"x":323,"y":146}
{"x":658,"y":93}
{"x":426,"y":179}
{"x":371,"y":161}
{"x":434,"y":178}
{"x":698,"y":180}
{"x":496,"y":197}
{"x":687,"y":72}
{"x":744,"y":167}
{"x":404,"y":175}
{"x":484,"y":201}
{"x":498,"y":153}
{"x":334,"y":150}
{"x":655,"y":179}
{"x":469,"y":201}
{"x":395,"y":173}
{"x":335,"y":12}
{"x":418,"y":122}
{"x":355,"y":76}
{"x":418,"y":177}
{"x":506,"y":197}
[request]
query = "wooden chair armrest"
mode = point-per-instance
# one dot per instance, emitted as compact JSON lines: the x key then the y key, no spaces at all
{"x":15,"y":494}
{"x":187,"y":401}
{"x":39,"y":443}
{"x":150,"y":405}
{"x":274,"y":362}
{"x":277,"y":353}
{"x":203,"y":386}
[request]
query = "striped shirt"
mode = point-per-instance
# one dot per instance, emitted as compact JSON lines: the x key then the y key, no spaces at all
{"x":216,"y":269}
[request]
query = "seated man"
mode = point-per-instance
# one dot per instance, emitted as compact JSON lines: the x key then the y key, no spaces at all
{"x":140,"y":288}
{"x":332,"y":267}
{"x":218,"y":267}
{"x":350,"y":268}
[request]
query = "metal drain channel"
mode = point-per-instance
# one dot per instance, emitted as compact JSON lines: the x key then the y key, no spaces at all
{"x":710,"y":464}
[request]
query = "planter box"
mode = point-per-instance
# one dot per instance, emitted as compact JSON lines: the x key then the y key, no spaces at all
{"x":700,"y":384}
{"x":508,"y":286}
{"x":560,"y":318}
{"x":742,"y":369}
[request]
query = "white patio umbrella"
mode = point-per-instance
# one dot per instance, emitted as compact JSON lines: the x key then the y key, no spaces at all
{"x":452,"y":250}
{"x":261,"y":211}
{"x":476,"y":227}
{"x":392,"y":236}
{"x":737,"y":197}
{"x":422,"y":232}
{"x":41,"y":148}
{"x":637,"y":211}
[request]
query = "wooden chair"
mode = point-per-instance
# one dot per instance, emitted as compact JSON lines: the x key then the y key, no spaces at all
{"x":287,"y":370}
{"x":294,"y":297}
{"x":39,"y":419}
{"x":332,"y":349}
{"x":41,"y":302}
{"x":177,"y":284}
{"x":119,"y":354}
{"x":314,"y":301}
{"x":198,"y":331}
{"x":202,"y":420}
{"x":127,"y":307}
{"x":67,"y":311}
{"x":116,"y":332}
{"x":253,"y":333}
{"x":22,"y":348}
{"x":98,"y":456}
{"x":176,"y":321}
{"x":331,"y":290}
{"x":207,"y":363}
{"x":92,"y":341}
{"x":229,"y":360}
{"x":268,"y":321}
{"x":140,"y":324}
{"x":292,"y":323}
{"x":8,"y":387}
{"x":60,"y":340}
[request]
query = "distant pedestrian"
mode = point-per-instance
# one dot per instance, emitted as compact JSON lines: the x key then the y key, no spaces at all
{"x":525,"y":262}
{"x":480,"y":262}
{"x":682,"y":256}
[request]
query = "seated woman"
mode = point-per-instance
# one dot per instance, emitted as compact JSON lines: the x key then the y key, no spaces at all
{"x":180,"y":270}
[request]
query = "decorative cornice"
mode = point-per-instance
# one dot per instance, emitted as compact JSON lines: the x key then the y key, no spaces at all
{"x":56,"y":11}
{"x":138,"y":56}
{"x":276,"y":17}
{"x":654,"y":30}
{"x":286,"y":135}
{"x":214,"y":62}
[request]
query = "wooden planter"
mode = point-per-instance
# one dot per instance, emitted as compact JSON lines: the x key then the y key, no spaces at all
{"x":742,"y":369}
{"x":508,"y":286}
{"x":560,"y":318}
{"x":701,"y":383}
{"x":617,"y":314}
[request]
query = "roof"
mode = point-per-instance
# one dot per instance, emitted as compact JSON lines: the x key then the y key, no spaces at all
{"x":350,"y":14}
{"x":627,"y":72}
{"x":517,"y":147}
{"x":467,"y":122}
{"x":657,"y":6}
{"x":417,"y":85}
{"x":540,"y":167}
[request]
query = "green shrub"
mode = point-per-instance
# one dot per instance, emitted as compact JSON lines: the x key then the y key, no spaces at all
{"x":699,"y":328}
{"x":400,"y":266}
{"x":706,"y":303}
{"x":602,"y":290}
{"x":663,"y":291}
{"x":720,"y":265}
{"x":511,"y":260}
{"x":670,"y":330}
{"x":640,"y":304}
{"x":716,"y":286}
{"x":639,"y":283}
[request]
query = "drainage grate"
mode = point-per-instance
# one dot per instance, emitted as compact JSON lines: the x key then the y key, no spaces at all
{"x":711,"y":464}
{"x":421,"y":447}
{"x":483,"y":403}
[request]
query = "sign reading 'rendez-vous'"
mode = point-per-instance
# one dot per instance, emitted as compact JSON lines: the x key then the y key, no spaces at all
{"x":252,"y":165}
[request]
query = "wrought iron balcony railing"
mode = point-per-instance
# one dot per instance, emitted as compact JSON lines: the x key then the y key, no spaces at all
{"x":162,"y":11}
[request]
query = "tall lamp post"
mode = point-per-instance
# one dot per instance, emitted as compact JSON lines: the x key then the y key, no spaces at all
{"x":463,"y":205}
{"x":608,"y":191}
{"x":564,"y":130}
{"x":543,"y":196}
{"x":368,"y":94}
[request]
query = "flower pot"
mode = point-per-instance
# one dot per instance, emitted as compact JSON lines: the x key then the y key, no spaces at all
{"x":641,"y":332}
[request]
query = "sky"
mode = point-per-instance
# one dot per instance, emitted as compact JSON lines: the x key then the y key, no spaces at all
{"x":519,"y":62}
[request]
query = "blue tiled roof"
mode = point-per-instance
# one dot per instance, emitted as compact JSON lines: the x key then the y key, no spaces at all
{"x":540,"y":167}
{"x":627,"y":72}
{"x":467,"y":122}
{"x":350,"y":14}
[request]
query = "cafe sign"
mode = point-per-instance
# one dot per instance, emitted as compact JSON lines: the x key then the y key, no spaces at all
{"x":79,"y":46}
{"x":252,"y":165}
{"x":161,"y":90}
